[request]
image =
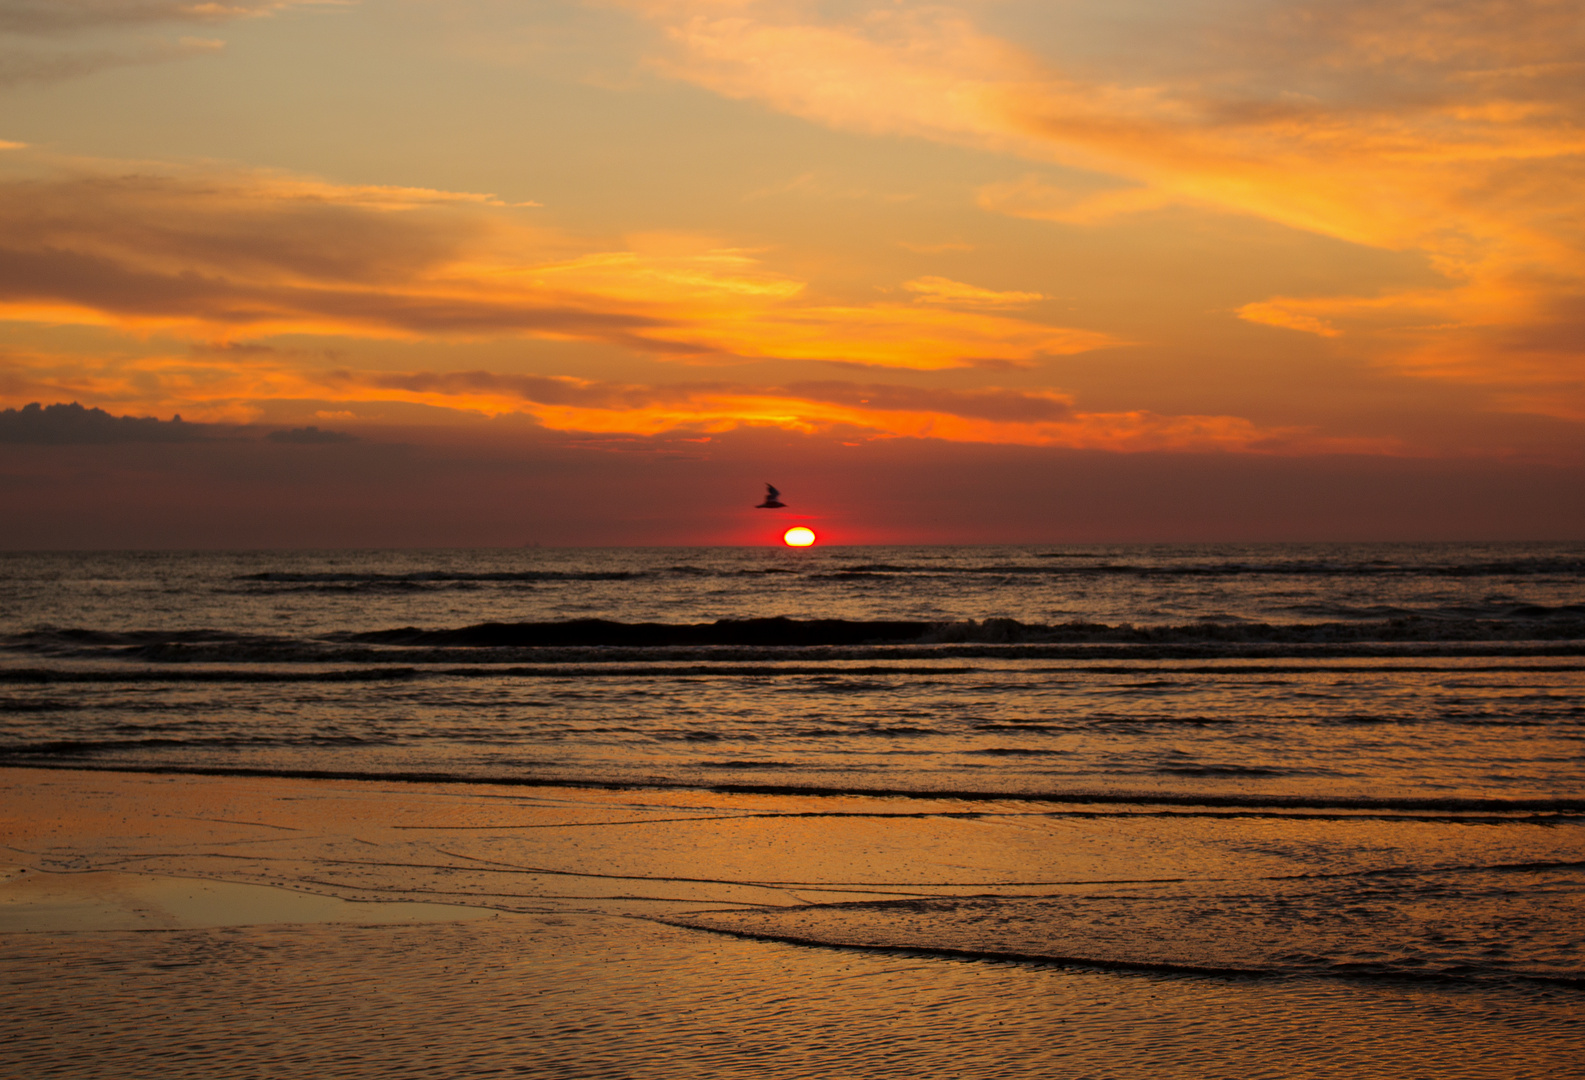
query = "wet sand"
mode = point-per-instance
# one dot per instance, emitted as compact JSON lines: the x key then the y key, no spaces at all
{"x":195,"y":926}
{"x":45,"y":902}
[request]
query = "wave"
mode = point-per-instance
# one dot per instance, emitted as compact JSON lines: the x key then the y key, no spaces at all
{"x":1072,"y":566}
{"x":1527,"y":630}
{"x":1382,"y":922}
{"x":1528,"y":622}
{"x":69,"y":748}
{"x":1542,"y":810}
{"x":1452,"y":612}
{"x":392,"y":674}
{"x":278,"y":581}
{"x":991,"y":955}
{"x":1051,"y":565}
{"x":621,"y":667}
{"x":772,"y":632}
{"x":215,"y":675}
{"x":1361,"y":972}
{"x":419,"y":576}
{"x":1255,"y":936}
{"x":1548,"y":566}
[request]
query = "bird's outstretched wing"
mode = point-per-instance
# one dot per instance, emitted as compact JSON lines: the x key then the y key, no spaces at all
{"x":772,"y":499}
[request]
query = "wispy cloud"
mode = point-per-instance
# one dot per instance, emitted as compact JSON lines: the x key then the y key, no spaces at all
{"x":940,"y":290}
{"x":57,"y":17}
{"x":1028,"y":197}
{"x":50,"y":40}
{"x":232,"y":385}
{"x":26,"y":65}
{"x":1453,"y":130}
{"x":218,"y":256}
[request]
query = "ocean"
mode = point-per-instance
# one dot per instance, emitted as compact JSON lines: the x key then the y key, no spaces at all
{"x":1354,"y":767}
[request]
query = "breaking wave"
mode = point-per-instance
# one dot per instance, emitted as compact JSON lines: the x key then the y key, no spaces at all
{"x":1522,"y":630}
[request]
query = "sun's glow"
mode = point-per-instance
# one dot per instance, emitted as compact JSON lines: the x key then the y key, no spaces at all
{"x":798,"y":536}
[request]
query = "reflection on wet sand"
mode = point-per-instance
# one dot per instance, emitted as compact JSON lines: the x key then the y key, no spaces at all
{"x":32,"y":902}
{"x":171,"y":923}
{"x":592,"y":996}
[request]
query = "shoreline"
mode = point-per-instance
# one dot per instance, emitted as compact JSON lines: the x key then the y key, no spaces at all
{"x":1403,"y":806}
{"x":587,"y":948}
{"x":590,"y":996}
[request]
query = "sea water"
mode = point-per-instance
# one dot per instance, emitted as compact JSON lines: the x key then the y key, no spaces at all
{"x":1337,"y":762}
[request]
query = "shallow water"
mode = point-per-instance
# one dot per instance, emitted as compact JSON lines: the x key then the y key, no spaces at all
{"x":302,"y":594}
{"x":582,"y":996}
{"x":1396,"y":673}
{"x":1472,"y":900}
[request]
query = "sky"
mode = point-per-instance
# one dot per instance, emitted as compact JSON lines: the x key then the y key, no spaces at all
{"x":591,"y":272}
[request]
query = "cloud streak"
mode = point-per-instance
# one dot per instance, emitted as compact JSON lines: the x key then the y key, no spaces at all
{"x":230,"y":386}
{"x":52,"y":40}
{"x":1452,"y":130}
{"x":58,"y":17}
{"x":22,"y":66}
{"x":234,"y":257}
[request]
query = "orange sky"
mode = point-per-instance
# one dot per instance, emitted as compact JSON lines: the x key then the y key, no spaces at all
{"x":1328,"y":259}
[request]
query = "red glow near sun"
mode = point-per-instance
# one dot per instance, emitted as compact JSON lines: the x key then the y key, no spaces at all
{"x":798,"y":536}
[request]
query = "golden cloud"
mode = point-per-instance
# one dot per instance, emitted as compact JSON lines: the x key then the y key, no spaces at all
{"x":243,"y":256}
{"x":1409,"y":125}
{"x":940,"y":290}
{"x":230,"y":385}
{"x":1028,"y":197}
{"x":1282,"y":313}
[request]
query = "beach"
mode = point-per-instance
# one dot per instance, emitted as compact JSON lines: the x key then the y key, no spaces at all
{"x":1277,"y":810}
{"x":387,"y":951}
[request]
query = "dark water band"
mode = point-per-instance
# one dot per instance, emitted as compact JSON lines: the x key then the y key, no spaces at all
{"x":1140,"y":966}
{"x":1061,"y":798}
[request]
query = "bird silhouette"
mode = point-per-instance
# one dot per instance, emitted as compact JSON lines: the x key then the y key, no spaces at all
{"x":772,"y":499}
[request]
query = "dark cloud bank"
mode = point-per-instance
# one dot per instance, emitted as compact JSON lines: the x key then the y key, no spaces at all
{"x":309,"y":436}
{"x":73,"y":425}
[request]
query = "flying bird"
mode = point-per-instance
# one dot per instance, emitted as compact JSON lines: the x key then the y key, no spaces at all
{"x":772,"y":499}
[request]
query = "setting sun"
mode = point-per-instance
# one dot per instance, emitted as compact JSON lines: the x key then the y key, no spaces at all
{"x":798,"y":537}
